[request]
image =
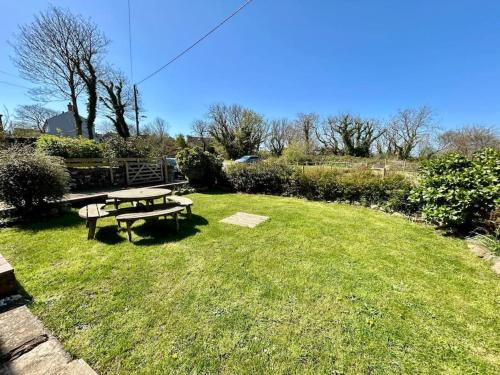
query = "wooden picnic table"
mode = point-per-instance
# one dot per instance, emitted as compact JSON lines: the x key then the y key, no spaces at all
{"x":140,"y":194}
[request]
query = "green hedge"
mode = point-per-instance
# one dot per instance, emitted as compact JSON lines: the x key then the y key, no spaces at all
{"x":69,"y":147}
{"x":361,"y":186}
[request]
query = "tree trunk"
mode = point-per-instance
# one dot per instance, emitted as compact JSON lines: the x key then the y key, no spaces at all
{"x":78,"y":119}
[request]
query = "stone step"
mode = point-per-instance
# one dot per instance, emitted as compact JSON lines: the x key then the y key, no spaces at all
{"x":28,"y":348}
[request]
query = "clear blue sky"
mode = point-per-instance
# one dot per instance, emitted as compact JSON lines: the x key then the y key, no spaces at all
{"x":281,"y":57}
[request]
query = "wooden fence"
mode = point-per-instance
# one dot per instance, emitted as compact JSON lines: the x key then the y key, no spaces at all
{"x":137,"y":170}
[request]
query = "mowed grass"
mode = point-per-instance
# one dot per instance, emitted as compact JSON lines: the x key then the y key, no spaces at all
{"x":320,"y":288}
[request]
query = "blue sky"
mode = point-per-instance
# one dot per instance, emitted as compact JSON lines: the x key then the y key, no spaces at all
{"x":283,"y":57}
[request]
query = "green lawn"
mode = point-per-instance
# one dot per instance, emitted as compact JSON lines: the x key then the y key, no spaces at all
{"x":320,"y":288}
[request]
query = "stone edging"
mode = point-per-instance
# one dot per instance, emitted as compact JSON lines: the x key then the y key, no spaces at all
{"x":485,"y":254}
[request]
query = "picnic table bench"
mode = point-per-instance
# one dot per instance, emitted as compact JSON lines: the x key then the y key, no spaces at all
{"x":130,"y":218}
{"x":183,"y":202}
{"x":91,"y":213}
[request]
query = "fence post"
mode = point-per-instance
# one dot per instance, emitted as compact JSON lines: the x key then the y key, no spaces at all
{"x":111,"y":177}
{"x":126,"y":173}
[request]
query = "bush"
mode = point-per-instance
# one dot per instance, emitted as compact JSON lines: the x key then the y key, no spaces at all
{"x":29,"y":179}
{"x":67,"y":147}
{"x":295,"y":153}
{"x":115,"y":146}
{"x":202,"y":168}
{"x":264,"y":177}
{"x":361,"y":186}
{"x":457,"y":192}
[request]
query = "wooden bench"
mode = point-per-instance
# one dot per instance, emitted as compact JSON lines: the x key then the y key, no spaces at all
{"x":183,"y":202}
{"x":130,"y":218}
{"x":91,"y":213}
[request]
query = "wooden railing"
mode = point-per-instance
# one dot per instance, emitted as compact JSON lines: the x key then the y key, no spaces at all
{"x":137,"y":170}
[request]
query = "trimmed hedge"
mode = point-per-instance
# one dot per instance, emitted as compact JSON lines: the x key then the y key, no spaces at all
{"x":361,"y":186}
{"x":69,"y":147}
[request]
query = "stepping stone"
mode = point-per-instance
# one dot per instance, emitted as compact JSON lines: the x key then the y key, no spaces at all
{"x":245,"y":220}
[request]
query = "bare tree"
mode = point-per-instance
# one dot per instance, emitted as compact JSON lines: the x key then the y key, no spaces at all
{"x":159,"y":127}
{"x":279,"y":136}
{"x":44,"y":54}
{"x":469,"y":139}
{"x":407,"y":129}
{"x":34,"y":116}
{"x":306,"y":124}
{"x":5,"y":120}
{"x":349,"y":135}
{"x":117,"y":100}
{"x":89,"y":45}
{"x":201,"y":130}
{"x":238,"y":130}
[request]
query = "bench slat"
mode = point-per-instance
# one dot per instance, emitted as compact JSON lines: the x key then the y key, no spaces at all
{"x":148,"y":214}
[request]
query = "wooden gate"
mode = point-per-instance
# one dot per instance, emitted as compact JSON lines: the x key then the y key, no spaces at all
{"x":144,"y":172}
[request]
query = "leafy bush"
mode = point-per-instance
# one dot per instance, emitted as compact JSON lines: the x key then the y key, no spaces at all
{"x":115,"y":146}
{"x":202,"y":168}
{"x":28,"y":178}
{"x":264,"y":177}
{"x":67,"y":147}
{"x":295,"y":153}
{"x":457,"y":192}
{"x":322,"y":184}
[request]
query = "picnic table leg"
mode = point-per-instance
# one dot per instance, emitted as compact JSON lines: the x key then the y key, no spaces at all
{"x":188,"y":210}
{"x":116,"y":203}
{"x":91,"y":223}
{"x":176,"y":217}
{"x":129,"y":230}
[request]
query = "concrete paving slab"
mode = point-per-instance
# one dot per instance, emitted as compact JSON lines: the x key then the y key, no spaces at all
{"x":245,"y":220}
{"x":17,"y":327}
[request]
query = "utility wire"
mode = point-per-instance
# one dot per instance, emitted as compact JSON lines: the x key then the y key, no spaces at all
{"x":130,"y":43}
{"x":9,"y":74}
{"x":197,"y":42}
{"x":14,"y":85}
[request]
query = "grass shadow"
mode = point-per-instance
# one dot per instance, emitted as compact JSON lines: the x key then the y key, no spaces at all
{"x":66,"y":220}
{"x":157,"y":232}
{"x":217,"y":191}
{"x":109,"y":234}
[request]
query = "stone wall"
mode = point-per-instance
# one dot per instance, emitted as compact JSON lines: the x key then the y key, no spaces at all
{"x":96,"y":178}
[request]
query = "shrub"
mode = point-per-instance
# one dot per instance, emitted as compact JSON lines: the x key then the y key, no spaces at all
{"x":266,"y":177}
{"x":115,"y":146}
{"x":29,"y":179}
{"x":295,"y":153}
{"x":202,"y":168}
{"x":361,"y":186}
{"x":457,"y":192}
{"x":67,"y":147}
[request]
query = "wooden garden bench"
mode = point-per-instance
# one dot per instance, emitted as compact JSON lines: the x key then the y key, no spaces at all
{"x":91,"y":213}
{"x":183,"y":202}
{"x":130,"y":218}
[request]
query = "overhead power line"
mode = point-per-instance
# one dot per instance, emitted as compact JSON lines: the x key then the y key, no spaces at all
{"x":14,"y":85}
{"x":9,"y":74}
{"x":197,"y":42}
